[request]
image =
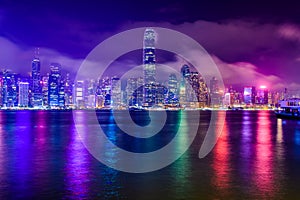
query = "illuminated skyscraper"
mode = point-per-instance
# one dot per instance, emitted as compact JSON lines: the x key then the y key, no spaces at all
{"x":249,"y":95}
{"x":262,"y":95}
{"x":172,"y":97}
{"x":68,"y":91}
{"x":61,"y":94}
{"x":45,"y":80}
{"x":115,"y":92}
{"x":215,"y":94}
{"x":37,"y":97}
{"x":9,"y":89}
{"x":149,"y":67}
{"x":185,"y":71}
{"x":53,"y":85}
{"x":23,"y":94}
{"x":78,"y":94}
{"x":149,"y":56}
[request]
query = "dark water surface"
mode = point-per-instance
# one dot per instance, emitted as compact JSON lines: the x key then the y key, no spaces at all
{"x":256,"y":157}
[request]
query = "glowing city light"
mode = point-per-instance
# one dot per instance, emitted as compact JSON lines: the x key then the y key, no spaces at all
{"x":263,"y":87}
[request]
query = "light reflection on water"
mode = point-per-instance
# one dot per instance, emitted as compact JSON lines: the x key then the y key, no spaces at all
{"x":256,"y":157}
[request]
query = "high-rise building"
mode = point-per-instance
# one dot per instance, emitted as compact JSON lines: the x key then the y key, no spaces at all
{"x":131,"y":91}
{"x":45,"y":80}
{"x":23,"y":100}
{"x":115,"y":92}
{"x":54,"y":85}
{"x":172,"y":96}
{"x":9,"y":89}
{"x":149,"y":67}
{"x":79,"y":94}
{"x":215,"y":94}
{"x":249,"y":95}
{"x":105,"y":90}
{"x":37,"y":97}
{"x":61,"y":94}
{"x":68,"y":86}
{"x":262,"y":96}
{"x":185,"y":71}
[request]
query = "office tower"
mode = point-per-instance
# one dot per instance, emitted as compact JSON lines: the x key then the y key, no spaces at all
{"x":79,"y":94}
{"x":45,"y":81}
{"x":115,"y":92}
{"x":160,"y":93}
{"x":262,"y":95}
{"x":149,"y":67}
{"x":185,"y":71}
{"x":185,"y":88}
{"x":203,"y":95}
{"x":215,"y":94}
{"x":140,"y":91}
{"x":249,"y":95}
{"x":99,"y":101}
{"x":68,"y":91}
{"x":192,"y":88}
{"x":61,"y":94}
{"x":228,"y":99}
{"x":172,"y":96}
{"x":37,"y":97}
{"x":105,"y":90}
{"x":9,"y":90}
{"x":53,"y":85}
{"x":131,"y":87}
{"x":23,"y":94}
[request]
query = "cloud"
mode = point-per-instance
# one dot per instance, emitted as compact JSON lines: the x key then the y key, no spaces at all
{"x":247,"y":74}
{"x":239,"y":47}
{"x":19,"y":59}
{"x":290,"y":32}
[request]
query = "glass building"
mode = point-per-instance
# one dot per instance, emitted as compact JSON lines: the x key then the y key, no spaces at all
{"x":37,"y":97}
{"x":149,"y":67}
{"x":9,"y":89}
{"x":54,"y":85}
{"x":249,"y":95}
{"x":23,"y":100}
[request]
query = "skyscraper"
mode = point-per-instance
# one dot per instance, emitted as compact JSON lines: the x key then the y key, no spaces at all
{"x":215,"y":95}
{"x":23,"y":94}
{"x":149,"y":56}
{"x":68,"y":91}
{"x":45,"y":80}
{"x":172,"y":97}
{"x":249,"y":95}
{"x":115,"y":92}
{"x":37,"y":97}
{"x":79,"y":94}
{"x":149,"y":67}
{"x":53,"y":85}
{"x":9,"y":89}
{"x":262,"y":95}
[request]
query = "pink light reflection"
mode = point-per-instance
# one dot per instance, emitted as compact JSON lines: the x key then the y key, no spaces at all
{"x":221,"y":165}
{"x":263,"y":169}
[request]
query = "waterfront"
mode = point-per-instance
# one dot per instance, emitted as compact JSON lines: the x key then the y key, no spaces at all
{"x":256,"y":157}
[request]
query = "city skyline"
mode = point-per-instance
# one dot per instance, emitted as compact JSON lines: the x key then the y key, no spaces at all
{"x":258,"y":41}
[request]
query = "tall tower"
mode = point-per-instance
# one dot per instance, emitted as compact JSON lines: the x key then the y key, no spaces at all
{"x":23,"y":94}
{"x":37,"y":97}
{"x":149,"y":67}
{"x":53,"y":85}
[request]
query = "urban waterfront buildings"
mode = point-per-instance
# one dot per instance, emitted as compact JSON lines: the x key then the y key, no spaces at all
{"x":187,"y":89}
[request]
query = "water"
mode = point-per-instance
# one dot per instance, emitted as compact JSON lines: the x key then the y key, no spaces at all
{"x":256,"y":157}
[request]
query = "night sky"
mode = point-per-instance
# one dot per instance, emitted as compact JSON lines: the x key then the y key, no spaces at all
{"x":252,"y":42}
